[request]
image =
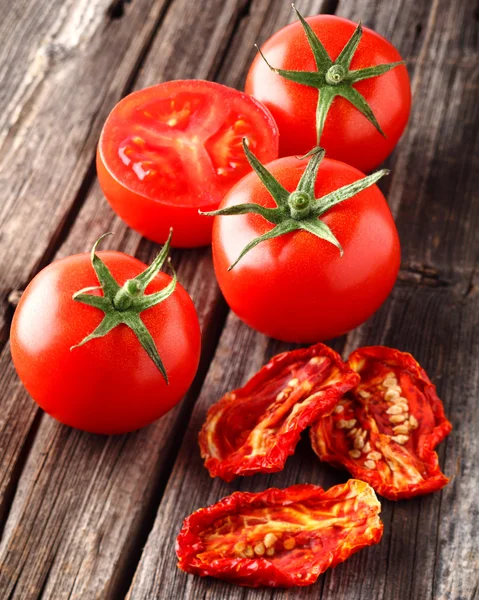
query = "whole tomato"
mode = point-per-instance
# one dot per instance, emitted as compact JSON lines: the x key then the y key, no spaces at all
{"x":332,"y":97}
{"x":110,"y":383}
{"x":307,"y":279}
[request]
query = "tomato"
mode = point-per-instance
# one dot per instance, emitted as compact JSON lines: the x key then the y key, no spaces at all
{"x":347,"y":133}
{"x":109,"y":384}
{"x":279,"y":537}
{"x":384,"y":431}
{"x":255,"y":428}
{"x":171,"y":149}
{"x":298,"y":287}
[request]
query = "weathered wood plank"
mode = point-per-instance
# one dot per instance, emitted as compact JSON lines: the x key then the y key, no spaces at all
{"x":437,"y":164}
{"x":401,"y":565}
{"x":48,"y":132}
{"x":64,"y":63}
{"x":429,"y":549}
{"x":82,"y":500}
{"x":16,"y":423}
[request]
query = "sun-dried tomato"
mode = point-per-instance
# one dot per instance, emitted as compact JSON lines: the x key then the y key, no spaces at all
{"x":255,"y":428}
{"x":385,"y":430}
{"x":280,"y":538}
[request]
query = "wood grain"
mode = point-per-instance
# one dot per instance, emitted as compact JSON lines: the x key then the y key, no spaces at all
{"x":48,"y":131}
{"x":55,"y":507}
{"x":81,"y":507}
{"x":433,"y":313}
{"x":64,"y":63}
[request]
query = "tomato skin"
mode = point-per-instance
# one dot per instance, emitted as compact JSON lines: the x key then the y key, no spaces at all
{"x":154,"y":219}
{"x":348,"y":135}
{"x":109,"y":385}
{"x":297,"y":287}
{"x":185,"y":159}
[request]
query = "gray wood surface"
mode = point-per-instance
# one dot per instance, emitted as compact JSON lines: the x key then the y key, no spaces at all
{"x":433,"y":300}
{"x":63,"y":66}
{"x":88,"y":516}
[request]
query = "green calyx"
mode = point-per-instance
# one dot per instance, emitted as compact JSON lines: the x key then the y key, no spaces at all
{"x":124,"y":304}
{"x":297,"y":210}
{"x":334,"y":78}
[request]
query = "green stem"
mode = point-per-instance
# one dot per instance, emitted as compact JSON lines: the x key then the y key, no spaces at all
{"x":126,"y":295}
{"x":335,"y":74}
{"x":123,"y":305}
{"x":300,"y":210}
{"x":334,"y":78}
{"x":300,"y":205}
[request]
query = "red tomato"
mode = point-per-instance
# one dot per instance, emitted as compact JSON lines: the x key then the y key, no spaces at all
{"x":110,"y":384}
{"x":347,"y":134}
{"x":297,"y":287}
{"x":171,"y":149}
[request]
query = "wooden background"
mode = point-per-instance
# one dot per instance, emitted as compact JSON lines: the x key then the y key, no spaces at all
{"x":86,"y":516}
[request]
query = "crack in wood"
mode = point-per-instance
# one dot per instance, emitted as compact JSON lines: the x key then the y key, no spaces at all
{"x":422,"y":275}
{"x":473,"y":283}
{"x":116,"y":10}
{"x":329,"y":7}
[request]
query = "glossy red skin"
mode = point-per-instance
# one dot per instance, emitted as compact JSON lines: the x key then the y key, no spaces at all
{"x":332,"y":445}
{"x":194,"y":183}
{"x":109,"y":385}
{"x":224,"y":437}
{"x":348,"y":135}
{"x":315,"y":551}
{"x":297,"y":287}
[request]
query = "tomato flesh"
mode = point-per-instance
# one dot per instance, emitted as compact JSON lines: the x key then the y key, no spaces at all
{"x":171,"y":149}
{"x":398,"y":416}
{"x":279,"y":537}
{"x":255,"y":428}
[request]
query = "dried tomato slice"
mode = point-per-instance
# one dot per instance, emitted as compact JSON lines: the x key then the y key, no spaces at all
{"x":385,"y":430}
{"x":280,"y":538}
{"x":255,"y":428}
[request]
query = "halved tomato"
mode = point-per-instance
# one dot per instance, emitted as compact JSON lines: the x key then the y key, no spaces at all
{"x":171,"y":149}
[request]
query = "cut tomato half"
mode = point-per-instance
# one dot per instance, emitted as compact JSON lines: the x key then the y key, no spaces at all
{"x":171,"y":149}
